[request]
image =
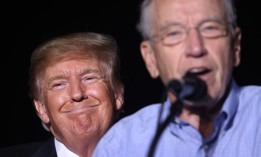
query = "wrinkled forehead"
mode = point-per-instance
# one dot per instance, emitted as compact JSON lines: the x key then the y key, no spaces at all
{"x":70,"y":55}
{"x":187,"y":11}
{"x":52,"y":60}
{"x":73,"y":67}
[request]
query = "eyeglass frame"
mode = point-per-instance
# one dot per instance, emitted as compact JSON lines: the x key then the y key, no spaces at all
{"x":185,"y":30}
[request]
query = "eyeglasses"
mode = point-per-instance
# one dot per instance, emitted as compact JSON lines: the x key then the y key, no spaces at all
{"x":176,"y":33}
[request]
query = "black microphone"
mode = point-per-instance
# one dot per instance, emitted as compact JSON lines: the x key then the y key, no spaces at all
{"x":189,"y":88}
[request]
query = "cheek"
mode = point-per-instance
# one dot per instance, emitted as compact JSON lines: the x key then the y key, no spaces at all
{"x":106,"y":97}
{"x":222,"y":60}
{"x":101,"y":93}
{"x":55,"y":100}
{"x":221,"y":56}
{"x":226,"y":64}
{"x":104,"y":114}
{"x":168,"y":62}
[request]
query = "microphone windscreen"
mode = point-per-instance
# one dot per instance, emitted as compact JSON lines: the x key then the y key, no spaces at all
{"x":198,"y":86}
{"x":190,"y":88}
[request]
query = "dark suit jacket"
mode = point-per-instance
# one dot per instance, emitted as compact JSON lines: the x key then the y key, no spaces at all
{"x":35,"y":149}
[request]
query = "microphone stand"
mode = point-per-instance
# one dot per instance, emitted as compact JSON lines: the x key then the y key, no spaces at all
{"x":175,"y":110}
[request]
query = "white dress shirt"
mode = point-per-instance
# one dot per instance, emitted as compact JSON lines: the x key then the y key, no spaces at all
{"x":62,"y":151}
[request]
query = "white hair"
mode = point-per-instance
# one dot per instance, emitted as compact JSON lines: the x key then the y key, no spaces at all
{"x":145,"y":22}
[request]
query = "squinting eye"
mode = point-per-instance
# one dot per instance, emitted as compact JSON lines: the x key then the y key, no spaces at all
{"x":58,"y":85}
{"x":211,"y":28}
{"x":173,"y":33}
{"x":90,"y":79}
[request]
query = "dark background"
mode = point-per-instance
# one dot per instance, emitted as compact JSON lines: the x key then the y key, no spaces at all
{"x":24,"y":25}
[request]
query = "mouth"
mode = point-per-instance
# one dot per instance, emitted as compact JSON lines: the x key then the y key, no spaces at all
{"x":199,"y":72}
{"x":72,"y":107}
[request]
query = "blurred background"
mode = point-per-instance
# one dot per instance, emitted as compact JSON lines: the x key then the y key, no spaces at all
{"x":24,"y":25}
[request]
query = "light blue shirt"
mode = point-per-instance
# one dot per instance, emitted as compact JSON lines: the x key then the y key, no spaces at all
{"x":237,"y":131}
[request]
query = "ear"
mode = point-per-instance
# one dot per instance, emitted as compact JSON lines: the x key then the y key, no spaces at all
{"x":149,"y":58}
{"x":41,"y":111}
{"x":237,"y":47}
{"x":119,"y":97}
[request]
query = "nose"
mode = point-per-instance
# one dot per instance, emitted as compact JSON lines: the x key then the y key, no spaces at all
{"x":195,"y":45}
{"x":78,"y":92}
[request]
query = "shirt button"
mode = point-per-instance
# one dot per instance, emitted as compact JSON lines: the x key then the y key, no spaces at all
{"x":205,"y":146}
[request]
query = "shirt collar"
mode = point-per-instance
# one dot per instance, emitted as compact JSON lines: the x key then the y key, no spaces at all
{"x":62,"y":151}
{"x":230,"y":105}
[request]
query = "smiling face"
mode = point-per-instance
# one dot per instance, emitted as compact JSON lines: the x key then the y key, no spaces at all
{"x":211,"y":59}
{"x":77,"y":100}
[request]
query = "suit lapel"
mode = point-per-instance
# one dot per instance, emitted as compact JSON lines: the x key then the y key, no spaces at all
{"x":46,"y":150}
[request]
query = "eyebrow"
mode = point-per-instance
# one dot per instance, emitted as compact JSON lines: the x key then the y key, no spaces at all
{"x":216,"y":18}
{"x":64,"y":76}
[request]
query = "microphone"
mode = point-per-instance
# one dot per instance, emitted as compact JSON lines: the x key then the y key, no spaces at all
{"x":190,"y":88}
